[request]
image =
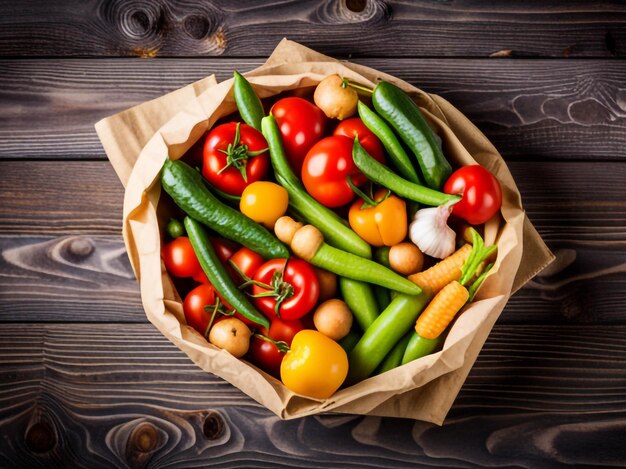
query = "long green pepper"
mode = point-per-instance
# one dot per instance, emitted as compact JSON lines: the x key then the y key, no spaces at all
{"x":394,"y":148}
{"x":334,"y":229}
{"x":218,"y":275}
{"x":382,"y":175}
{"x":248,"y":103}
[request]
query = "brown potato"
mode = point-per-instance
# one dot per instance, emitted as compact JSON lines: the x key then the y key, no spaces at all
{"x":336,"y":101}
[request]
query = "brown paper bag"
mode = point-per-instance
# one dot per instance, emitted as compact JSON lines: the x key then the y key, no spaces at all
{"x":137,"y":142}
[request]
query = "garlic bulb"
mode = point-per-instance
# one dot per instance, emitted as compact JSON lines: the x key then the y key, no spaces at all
{"x":430,"y":232}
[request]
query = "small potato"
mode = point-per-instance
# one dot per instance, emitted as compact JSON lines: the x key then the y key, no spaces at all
{"x":333,"y":318}
{"x":232,"y":335}
{"x":406,"y":258}
{"x":336,"y":101}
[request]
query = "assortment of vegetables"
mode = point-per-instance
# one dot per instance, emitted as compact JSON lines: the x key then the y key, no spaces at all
{"x":303,"y":238}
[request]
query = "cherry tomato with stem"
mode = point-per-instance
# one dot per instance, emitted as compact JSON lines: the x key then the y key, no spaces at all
{"x":326,"y":170}
{"x":235,"y":155}
{"x":203,"y":307}
{"x":480,"y":191}
{"x":285,"y":288}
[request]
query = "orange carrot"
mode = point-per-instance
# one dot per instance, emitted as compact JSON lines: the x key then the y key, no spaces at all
{"x":441,"y":310}
{"x":439,"y":275}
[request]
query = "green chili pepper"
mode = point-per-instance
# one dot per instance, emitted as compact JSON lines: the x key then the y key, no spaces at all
{"x":401,"y":112}
{"x":417,"y":347}
{"x":394,"y":358}
{"x":383,"y":297}
{"x":218,"y":275}
{"x":382,"y":175}
{"x":248,"y":103}
{"x":334,"y":229}
{"x":359,"y":296}
{"x":378,"y":340}
{"x":349,"y":265}
{"x":394,"y":148}
{"x":187,"y":188}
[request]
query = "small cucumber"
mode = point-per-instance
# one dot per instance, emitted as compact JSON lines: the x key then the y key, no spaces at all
{"x":186,"y":186}
{"x":401,"y":112}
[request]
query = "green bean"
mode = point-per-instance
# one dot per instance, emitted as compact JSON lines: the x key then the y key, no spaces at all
{"x":394,"y":358}
{"x":248,"y":103}
{"x":382,"y":175}
{"x":418,"y":347}
{"x":332,"y":226}
{"x":349,"y":265}
{"x":359,"y":297}
{"x":394,"y":148}
{"x":218,"y":275}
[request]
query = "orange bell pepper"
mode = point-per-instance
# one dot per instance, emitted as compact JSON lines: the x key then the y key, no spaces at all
{"x":384,"y":224}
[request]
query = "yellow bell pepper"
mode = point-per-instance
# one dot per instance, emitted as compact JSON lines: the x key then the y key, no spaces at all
{"x":384,"y":224}
{"x":315,"y":366}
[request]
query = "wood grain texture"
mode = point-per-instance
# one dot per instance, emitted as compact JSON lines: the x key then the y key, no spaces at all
{"x":347,"y":27}
{"x":529,"y":109}
{"x":90,"y":396}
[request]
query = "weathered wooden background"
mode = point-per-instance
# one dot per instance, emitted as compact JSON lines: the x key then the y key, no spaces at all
{"x":86,"y":381}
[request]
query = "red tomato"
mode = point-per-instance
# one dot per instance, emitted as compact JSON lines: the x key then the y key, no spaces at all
{"x":298,"y":275}
{"x":223,"y":150}
{"x":326,"y":169}
{"x":247,"y":261}
{"x":481,"y":192}
{"x":193,"y":306}
{"x":355,"y":127}
{"x":180,"y":259}
{"x":264,"y":353}
{"x":301,"y":124}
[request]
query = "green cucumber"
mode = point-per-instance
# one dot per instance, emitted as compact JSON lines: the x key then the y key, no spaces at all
{"x":401,"y":112}
{"x":187,"y":187}
{"x":218,"y":275}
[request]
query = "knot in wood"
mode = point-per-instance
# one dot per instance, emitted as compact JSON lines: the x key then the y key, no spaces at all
{"x":144,"y":438}
{"x":140,"y":19}
{"x":80,"y":247}
{"x":356,"y":6}
{"x":213,"y":426}
{"x":40,"y":438}
{"x":197,"y":26}
{"x":370,"y":12}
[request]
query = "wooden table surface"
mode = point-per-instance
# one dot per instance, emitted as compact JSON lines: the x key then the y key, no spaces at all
{"x":86,"y":381}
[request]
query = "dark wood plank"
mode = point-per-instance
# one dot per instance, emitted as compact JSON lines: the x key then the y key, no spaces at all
{"x":350,"y":27}
{"x":73,"y":278}
{"x":530,"y":109}
{"x":42,"y":198}
{"x":549,"y":390}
